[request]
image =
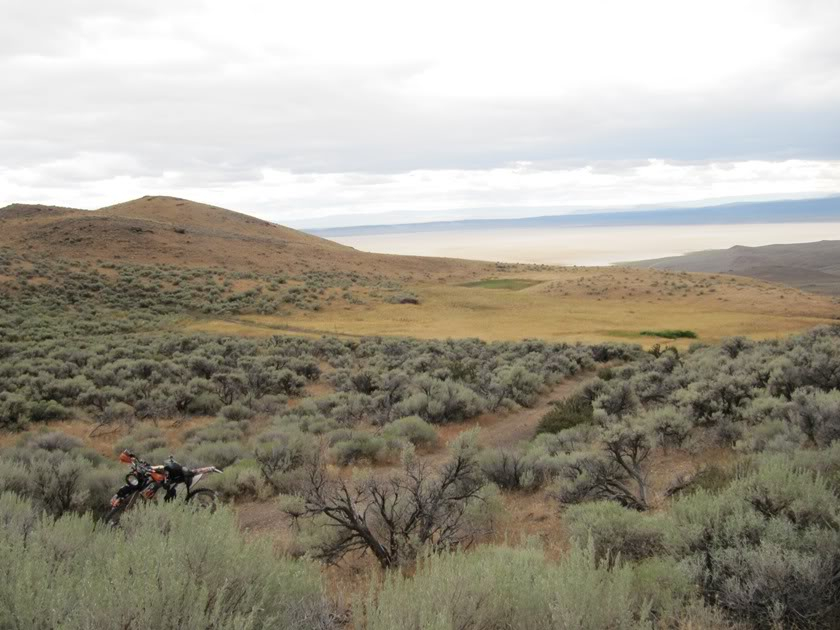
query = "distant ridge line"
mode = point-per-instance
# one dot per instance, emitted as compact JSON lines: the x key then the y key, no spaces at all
{"x":783,"y":211}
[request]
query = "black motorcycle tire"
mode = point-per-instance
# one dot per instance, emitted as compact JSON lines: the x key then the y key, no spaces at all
{"x":113,"y":516}
{"x":205,"y":498}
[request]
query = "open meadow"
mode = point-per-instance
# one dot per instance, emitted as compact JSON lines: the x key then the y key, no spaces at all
{"x":574,"y":304}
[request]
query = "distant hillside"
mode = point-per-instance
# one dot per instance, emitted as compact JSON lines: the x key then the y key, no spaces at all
{"x":169,"y":230}
{"x":785,"y":211}
{"x":811,"y":267}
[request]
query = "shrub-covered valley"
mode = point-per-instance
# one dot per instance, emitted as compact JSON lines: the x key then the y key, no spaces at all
{"x":388,"y":482}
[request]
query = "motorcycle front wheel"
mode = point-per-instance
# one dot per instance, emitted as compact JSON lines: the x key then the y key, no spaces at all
{"x":205,"y":499}
{"x":113,"y":516}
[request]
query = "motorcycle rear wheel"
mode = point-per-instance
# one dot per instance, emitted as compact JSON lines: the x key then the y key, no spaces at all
{"x":205,"y":499}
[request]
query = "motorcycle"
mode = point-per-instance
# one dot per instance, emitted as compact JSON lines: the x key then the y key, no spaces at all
{"x":144,"y":481}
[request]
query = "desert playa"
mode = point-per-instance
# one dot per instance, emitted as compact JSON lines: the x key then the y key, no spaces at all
{"x":588,"y":245}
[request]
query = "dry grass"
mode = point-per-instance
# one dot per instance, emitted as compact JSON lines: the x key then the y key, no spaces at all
{"x":576,"y":304}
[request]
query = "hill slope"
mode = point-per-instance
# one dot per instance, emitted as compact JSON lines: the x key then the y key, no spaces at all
{"x":176,"y":231}
{"x":811,"y":267}
{"x":357,"y":293}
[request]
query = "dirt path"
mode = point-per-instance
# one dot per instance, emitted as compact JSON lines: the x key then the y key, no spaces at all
{"x":510,"y":428}
{"x":496,"y":430}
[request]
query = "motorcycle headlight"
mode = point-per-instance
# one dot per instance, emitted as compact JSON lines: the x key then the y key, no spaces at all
{"x":133,"y":480}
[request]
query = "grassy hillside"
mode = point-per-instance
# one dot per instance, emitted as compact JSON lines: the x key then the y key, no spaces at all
{"x":228,"y":272}
{"x":813,"y":267}
{"x":167,"y":230}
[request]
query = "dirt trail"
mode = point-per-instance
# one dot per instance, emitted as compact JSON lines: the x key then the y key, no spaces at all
{"x":496,"y":430}
{"x":508,"y":429}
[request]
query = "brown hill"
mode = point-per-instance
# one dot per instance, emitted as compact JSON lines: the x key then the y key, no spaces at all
{"x":169,"y":230}
{"x":813,"y":267}
{"x":29,"y":211}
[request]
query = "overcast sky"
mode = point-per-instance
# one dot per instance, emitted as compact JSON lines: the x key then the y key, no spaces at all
{"x":363,"y":111}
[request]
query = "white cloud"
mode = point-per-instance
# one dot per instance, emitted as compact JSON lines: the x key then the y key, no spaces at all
{"x":324,"y":107}
{"x":516,"y":190}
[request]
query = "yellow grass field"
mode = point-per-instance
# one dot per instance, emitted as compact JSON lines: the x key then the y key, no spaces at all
{"x":574,"y":304}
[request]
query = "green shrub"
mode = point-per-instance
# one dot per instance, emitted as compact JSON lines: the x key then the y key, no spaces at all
{"x":219,"y":431}
{"x":219,"y":454}
{"x":823,"y":462}
{"x":566,"y":414}
{"x":414,"y":429}
{"x":403,"y":298}
{"x":14,"y":412}
{"x":354,"y":446}
{"x":242,"y":480}
{"x":712,"y":479}
{"x":616,"y":531}
{"x":773,"y":436}
{"x":606,"y":373}
{"x":670,"y":334}
{"x":205,"y":404}
{"x":44,"y":410}
{"x":236,"y":412}
{"x":142,"y":441}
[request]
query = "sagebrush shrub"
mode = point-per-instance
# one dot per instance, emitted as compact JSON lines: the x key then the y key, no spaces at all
{"x":204,"y":574}
{"x":510,"y":469}
{"x":412,"y":428}
{"x":142,"y":441}
{"x":517,"y":589}
{"x":616,"y":532}
{"x":766,"y":548}
{"x":236,"y":412}
{"x":354,"y":446}
{"x":59,"y":482}
{"x":54,"y":441}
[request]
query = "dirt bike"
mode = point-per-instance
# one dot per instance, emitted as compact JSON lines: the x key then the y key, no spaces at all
{"x":144,"y":481}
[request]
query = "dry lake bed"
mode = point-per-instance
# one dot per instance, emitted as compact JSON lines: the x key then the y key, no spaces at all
{"x":588,"y":245}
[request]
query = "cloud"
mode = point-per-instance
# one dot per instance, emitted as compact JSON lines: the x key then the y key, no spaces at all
{"x":522,"y":189}
{"x":418,"y":105}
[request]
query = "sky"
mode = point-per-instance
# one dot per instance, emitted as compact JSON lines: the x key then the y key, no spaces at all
{"x":325,"y":113}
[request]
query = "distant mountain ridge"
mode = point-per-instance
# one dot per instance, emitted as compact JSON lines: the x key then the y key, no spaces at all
{"x":783,"y":211}
{"x":811,"y":267}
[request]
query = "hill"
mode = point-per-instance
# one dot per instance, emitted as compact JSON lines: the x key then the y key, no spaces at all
{"x":168,"y":230}
{"x":216,"y":270}
{"x":813,"y":267}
